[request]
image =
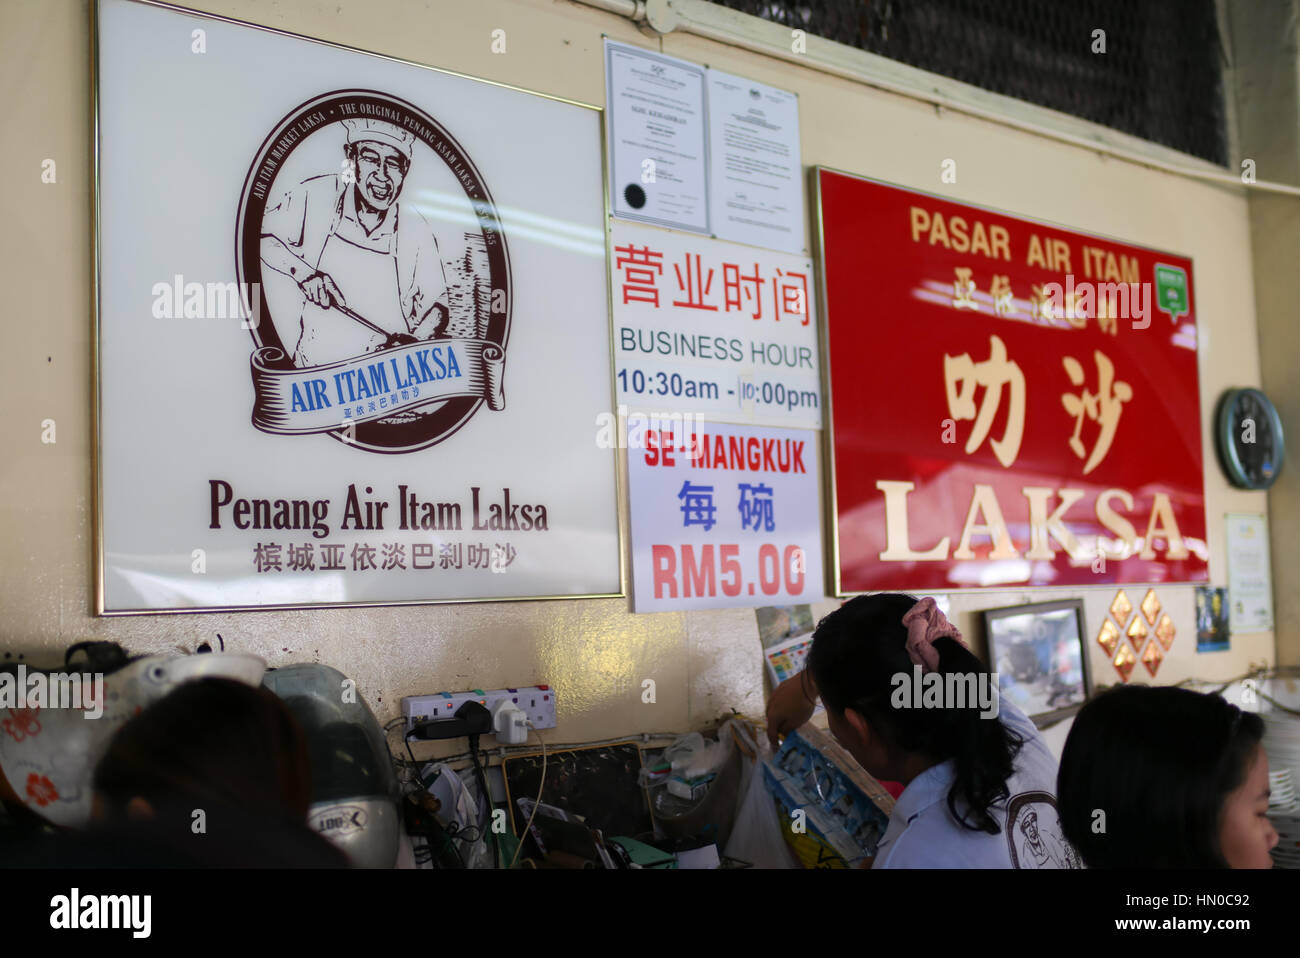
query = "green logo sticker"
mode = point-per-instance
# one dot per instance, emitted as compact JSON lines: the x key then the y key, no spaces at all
{"x":1171,"y":291}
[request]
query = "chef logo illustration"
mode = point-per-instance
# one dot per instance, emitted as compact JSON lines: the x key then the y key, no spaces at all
{"x":383,"y":275}
{"x":1034,"y":833}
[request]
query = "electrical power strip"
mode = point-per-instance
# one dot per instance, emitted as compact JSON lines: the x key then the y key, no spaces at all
{"x":537,"y":702}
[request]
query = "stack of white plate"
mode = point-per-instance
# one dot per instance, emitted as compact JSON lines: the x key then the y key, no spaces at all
{"x":1282,"y":742}
{"x":1286,"y":854}
{"x":1281,"y":788}
{"x":1282,"y":745}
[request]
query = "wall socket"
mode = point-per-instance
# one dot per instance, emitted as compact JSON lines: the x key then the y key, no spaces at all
{"x":537,"y":702}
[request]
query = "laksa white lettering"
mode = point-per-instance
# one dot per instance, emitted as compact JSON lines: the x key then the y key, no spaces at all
{"x":985,"y":518}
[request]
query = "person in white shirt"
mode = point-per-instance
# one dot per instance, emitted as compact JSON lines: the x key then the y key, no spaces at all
{"x":347,"y":242}
{"x":978,"y":782}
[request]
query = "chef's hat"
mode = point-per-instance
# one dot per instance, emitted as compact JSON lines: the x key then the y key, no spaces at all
{"x":380,"y":131}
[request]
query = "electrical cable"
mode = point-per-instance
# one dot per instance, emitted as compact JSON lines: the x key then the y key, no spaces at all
{"x":485,"y":801}
{"x":645,"y":739}
{"x":537,"y":804}
{"x":414,"y":764}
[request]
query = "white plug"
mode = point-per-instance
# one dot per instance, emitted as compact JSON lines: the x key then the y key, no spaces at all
{"x":509,"y":723}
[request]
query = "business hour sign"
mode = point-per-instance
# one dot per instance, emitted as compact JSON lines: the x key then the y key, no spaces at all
{"x":353,"y":343}
{"x":1011,"y":403}
{"x":719,"y":329}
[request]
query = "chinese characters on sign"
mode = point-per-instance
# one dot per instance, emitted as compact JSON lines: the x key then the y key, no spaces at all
{"x":707,"y":327}
{"x":998,"y":374}
{"x":1032,"y":416}
{"x":725,"y":516}
{"x":364,"y":556}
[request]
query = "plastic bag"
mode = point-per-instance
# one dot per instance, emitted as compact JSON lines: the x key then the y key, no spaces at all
{"x":693,"y":757}
{"x":756,"y":835}
{"x":458,"y":793}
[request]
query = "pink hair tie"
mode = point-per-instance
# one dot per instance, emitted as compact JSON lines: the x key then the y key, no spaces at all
{"x":925,"y":623}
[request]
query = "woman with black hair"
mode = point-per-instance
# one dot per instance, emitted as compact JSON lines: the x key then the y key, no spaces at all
{"x":1162,"y":777}
{"x":978,"y":779}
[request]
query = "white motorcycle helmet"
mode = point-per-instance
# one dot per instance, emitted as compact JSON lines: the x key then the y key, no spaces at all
{"x":354,"y":788}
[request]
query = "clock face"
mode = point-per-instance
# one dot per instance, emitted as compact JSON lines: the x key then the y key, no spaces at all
{"x":1250,"y":439}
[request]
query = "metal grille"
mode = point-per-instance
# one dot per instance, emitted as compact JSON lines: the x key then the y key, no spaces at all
{"x":1160,"y":78}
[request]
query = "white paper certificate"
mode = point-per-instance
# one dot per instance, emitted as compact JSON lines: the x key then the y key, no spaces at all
{"x":657,"y":138}
{"x":1249,"y":578}
{"x":755,"y":166}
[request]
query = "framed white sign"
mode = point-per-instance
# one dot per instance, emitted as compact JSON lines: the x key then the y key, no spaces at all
{"x":713,"y":328}
{"x":723,"y":516}
{"x":352,"y":333}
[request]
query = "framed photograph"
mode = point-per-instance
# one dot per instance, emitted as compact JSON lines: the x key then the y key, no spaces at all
{"x":1213,"y":630}
{"x":1039,"y":656}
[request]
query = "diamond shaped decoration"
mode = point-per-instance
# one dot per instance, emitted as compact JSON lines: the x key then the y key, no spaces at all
{"x":1121,"y":608}
{"x":1124,"y":661}
{"x":1152,"y":657}
{"x":1165,"y":631}
{"x":1108,"y":637}
{"x":1137,"y":632}
{"x":1151,"y":606}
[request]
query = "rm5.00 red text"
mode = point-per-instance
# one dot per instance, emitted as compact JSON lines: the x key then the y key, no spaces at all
{"x":689,"y":570}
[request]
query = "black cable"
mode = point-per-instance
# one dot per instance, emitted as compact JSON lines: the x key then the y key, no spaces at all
{"x":415,"y":766}
{"x":469,"y":834}
{"x":435,"y":855}
{"x":487,"y":805}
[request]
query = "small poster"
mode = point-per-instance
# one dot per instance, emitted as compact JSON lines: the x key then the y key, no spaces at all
{"x":725,"y":517}
{"x":702,"y":326}
{"x":756,"y":172}
{"x":786,"y":634}
{"x":1212,"y":618}
{"x":1249,"y":573}
{"x":658,"y":146}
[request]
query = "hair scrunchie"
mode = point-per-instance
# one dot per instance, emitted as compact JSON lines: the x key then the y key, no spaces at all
{"x":925,"y":623}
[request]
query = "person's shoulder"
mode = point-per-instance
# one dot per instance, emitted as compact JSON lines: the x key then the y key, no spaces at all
{"x":325,"y":181}
{"x":1023,"y":726}
{"x":1011,"y":715}
{"x":410,"y":220}
{"x":315,"y":192}
{"x":940,"y":842}
{"x":930,"y":840}
{"x":324,"y":190}
{"x":905,"y":851}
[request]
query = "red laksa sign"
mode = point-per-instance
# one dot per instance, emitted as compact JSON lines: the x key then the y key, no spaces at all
{"x":1012,"y":403}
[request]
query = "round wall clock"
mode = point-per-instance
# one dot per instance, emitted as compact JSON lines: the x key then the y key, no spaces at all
{"x":1248,"y":434}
